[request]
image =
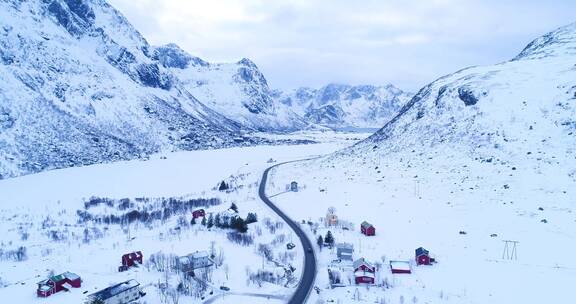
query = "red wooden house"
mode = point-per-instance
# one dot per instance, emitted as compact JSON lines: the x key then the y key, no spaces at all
{"x":198,"y":213}
{"x":130,"y":259}
{"x":58,"y":283}
{"x":363,"y":277}
{"x":422,"y":257}
{"x":364,"y":271}
{"x":367,"y":229}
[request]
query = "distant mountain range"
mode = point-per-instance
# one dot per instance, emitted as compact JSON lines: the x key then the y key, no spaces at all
{"x":80,"y":85}
{"x":338,"y":105}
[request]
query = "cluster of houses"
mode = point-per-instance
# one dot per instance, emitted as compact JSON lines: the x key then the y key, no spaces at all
{"x":124,"y":292}
{"x":365,"y":271}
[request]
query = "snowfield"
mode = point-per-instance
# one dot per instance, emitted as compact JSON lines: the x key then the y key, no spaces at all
{"x":427,"y":204}
{"x":39,"y":212}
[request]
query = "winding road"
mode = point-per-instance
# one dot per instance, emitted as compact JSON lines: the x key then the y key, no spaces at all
{"x":309,"y":271}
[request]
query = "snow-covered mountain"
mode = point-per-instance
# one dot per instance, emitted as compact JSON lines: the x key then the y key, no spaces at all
{"x":481,"y":156}
{"x":237,"y":90}
{"x":79,"y":85}
{"x":338,"y":105}
{"x":527,"y":104}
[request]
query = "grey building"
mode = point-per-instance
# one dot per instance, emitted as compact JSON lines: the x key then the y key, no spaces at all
{"x":198,"y":259}
{"x":344,"y":251}
{"x":121,"y":293}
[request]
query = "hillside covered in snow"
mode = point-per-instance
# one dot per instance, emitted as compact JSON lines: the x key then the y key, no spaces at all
{"x":476,"y":158}
{"x":79,"y":85}
{"x":339,"y":105}
{"x":237,"y":90}
{"x":522,"y":110}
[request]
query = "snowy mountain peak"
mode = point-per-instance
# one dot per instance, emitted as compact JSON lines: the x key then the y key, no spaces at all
{"x":248,"y":63}
{"x":172,"y":56}
{"x":79,"y":85}
{"x":237,"y":90}
{"x":562,"y":41}
{"x":341,"y":105}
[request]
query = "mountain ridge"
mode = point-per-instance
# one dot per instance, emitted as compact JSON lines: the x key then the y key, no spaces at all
{"x":343,"y":105}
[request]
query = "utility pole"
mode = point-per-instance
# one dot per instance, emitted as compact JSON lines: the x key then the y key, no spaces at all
{"x":417,"y":187}
{"x":510,"y":250}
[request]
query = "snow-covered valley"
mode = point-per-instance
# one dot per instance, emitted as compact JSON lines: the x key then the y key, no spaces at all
{"x":42,"y":214}
{"x":121,"y":161}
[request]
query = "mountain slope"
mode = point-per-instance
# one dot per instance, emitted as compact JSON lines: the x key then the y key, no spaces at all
{"x":237,"y":90}
{"x":528,"y":103}
{"x":477,"y":157}
{"x":79,"y":85}
{"x":337,"y":105}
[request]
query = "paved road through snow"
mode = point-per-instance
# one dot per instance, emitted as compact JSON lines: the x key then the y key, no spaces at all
{"x":309,"y":271}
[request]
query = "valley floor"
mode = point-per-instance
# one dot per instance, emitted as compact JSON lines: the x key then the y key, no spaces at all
{"x":460,"y":210}
{"x":40,"y":213}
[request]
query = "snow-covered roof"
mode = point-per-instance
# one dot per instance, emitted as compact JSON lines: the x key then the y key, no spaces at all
{"x":199,"y":254}
{"x":346,"y":246}
{"x":113,"y":290}
{"x":400,"y":265}
{"x":71,"y":275}
{"x":361,"y":261}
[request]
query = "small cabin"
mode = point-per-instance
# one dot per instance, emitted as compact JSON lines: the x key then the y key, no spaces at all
{"x":198,"y":213}
{"x":58,"y":283}
{"x":130,"y":260}
{"x":124,"y":292}
{"x":367,"y":229}
{"x":400,"y":267}
{"x":331,"y":219}
{"x":344,"y":251}
{"x":364,"y":271}
{"x":422,"y":257}
{"x":294,"y":186}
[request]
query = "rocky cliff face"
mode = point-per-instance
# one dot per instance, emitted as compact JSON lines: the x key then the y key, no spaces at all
{"x":237,"y":90}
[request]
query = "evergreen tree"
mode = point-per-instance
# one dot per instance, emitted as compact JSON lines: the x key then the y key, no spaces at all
{"x":239,"y":224}
{"x":234,"y":207}
{"x":203,"y":222}
{"x":329,"y":239}
{"x":320,"y":242}
{"x":210,"y":222}
{"x":193,"y":221}
{"x":218,"y":221}
{"x":251,"y":218}
{"x":223,"y":186}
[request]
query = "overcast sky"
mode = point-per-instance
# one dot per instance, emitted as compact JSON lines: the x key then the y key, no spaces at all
{"x":314,"y":42}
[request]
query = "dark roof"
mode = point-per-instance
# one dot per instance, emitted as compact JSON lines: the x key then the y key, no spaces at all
{"x":420,"y":251}
{"x":113,"y":290}
{"x":63,"y":276}
{"x":365,"y":224}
